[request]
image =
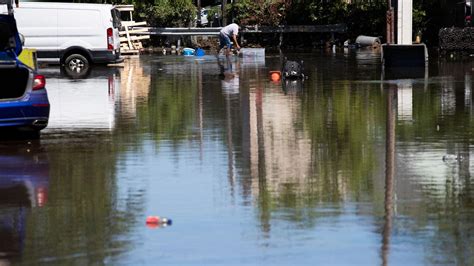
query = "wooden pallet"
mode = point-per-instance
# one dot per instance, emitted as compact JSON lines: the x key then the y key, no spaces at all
{"x":131,"y":36}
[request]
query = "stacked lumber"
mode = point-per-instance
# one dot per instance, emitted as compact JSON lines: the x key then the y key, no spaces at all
{"x":132,"y":33}
{"x":456,"y":39}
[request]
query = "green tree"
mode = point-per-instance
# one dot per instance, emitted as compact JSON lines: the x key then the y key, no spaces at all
{"x":260,"y":12}
{"x":165,"y":13}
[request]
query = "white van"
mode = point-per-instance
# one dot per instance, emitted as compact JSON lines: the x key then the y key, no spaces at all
{"x":75,"y":35}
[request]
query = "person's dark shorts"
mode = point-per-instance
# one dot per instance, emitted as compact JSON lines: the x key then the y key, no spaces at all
{"x":224,"y":40}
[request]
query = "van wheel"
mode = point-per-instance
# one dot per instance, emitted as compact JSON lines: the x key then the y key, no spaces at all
{"x":77,"y":63}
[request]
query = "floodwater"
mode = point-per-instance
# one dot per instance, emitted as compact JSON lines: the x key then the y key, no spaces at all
{"x":353,"y":166}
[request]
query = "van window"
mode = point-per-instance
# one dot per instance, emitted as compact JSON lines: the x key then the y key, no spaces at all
{"x":116,"y":21}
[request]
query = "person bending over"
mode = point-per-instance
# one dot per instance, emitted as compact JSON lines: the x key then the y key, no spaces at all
{"x":228,"y":32}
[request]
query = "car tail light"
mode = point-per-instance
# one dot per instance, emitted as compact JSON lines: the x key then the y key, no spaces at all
{"x":39,"y":82}
{"x":110,"y":39}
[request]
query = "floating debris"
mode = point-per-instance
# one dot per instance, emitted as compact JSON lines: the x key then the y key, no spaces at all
{"x":157,"y":221}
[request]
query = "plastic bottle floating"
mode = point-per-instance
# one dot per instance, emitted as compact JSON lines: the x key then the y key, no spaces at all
{"x":157,"y":221}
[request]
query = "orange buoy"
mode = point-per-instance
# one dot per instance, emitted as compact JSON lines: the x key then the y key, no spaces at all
{"x":275,"y":75}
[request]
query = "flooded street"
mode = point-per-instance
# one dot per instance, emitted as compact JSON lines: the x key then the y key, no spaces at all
{"x":354,"y":165}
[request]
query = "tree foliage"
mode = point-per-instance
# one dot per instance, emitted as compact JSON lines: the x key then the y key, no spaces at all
{"x":165,"y":13}
{"x":317,"y":12}
{"x":259,"y":12}
{"x":362,"y":17}
{"x":366,"y":19}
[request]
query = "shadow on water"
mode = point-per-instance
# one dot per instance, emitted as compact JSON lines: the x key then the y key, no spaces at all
{"x":292,"y":86}
{"x":90,"y":73}
{"x":405,"y":73}
{"x":17,"y":134}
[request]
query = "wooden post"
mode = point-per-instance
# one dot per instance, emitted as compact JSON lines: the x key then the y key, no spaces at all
{"x":390,"y":38}
{"x":224,"y":14}
{"x":390,"y":164}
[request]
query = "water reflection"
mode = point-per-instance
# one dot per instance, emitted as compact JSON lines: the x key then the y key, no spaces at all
{"x":24,"y":183}
{"x":87,"y":103}
{"x":229,"y":75}
{"x":87,"y":217}
{"x":434,"y":158}
{"x":135,"y":82}
{"x":394,"y":73}
{"x":293,"y":86}
{"x":330,"y":151}
{"x":399,"y":106}
{"x":344,"y":163}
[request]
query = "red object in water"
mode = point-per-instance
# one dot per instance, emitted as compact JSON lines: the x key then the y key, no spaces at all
{"x":152,"y":226}
{"x":153,"y":220}
{"x":157,"y":221}
{"x":275,"y":75}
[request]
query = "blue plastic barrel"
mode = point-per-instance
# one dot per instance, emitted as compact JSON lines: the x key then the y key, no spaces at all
{"x":200,"y":52}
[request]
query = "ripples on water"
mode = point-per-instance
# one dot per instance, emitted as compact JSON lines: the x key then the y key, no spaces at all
{"x":251,"y":171}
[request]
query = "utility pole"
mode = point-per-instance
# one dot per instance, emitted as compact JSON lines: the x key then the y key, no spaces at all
{"x":224,"y":14}
{"x":199,"y":13}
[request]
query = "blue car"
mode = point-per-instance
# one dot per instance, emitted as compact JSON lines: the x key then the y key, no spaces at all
{"x":24,"y":102}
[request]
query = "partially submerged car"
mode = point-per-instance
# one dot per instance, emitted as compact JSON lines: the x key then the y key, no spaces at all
{"x":23,"y":98}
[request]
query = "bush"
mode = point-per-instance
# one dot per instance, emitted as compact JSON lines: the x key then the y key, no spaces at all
{"x":258,"y":12}
{"x":317,"y":12}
